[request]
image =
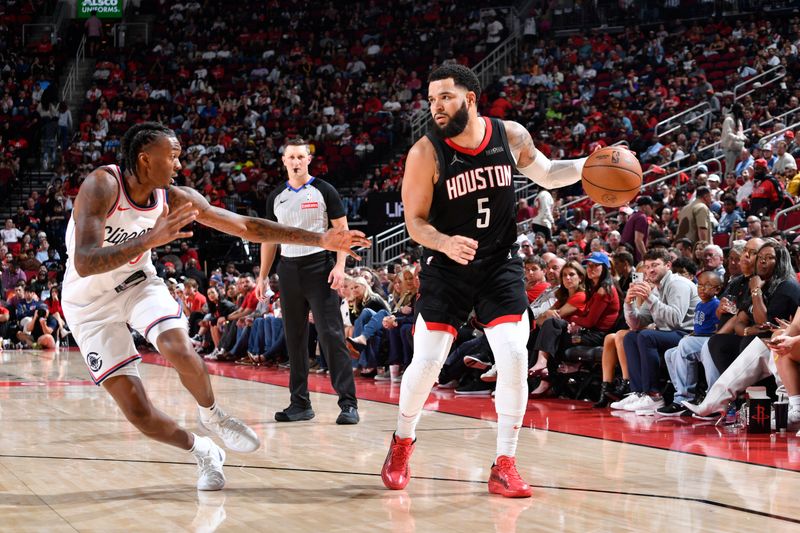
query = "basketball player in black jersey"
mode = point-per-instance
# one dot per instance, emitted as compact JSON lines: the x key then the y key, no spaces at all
{"x":459,"y":201}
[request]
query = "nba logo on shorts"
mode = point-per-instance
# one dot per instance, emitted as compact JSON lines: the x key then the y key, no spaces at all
{"x":95,"y":363}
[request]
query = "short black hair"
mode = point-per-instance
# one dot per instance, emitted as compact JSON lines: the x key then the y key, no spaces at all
{"x":654,"y":254}
{"x":139,"y":137}
{"x":625,"y":257}
{"x":683,"y":263}
{"x":535,"y":260}
{"x":462,"y":76}
{"x":702,"y":191}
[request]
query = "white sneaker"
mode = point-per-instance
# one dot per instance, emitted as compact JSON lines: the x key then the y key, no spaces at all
{"x":794,"y":418}
{"x":235,"y":434}
{"x":209,"y":467}
{"x":630,"y":398}
{"x":490,"y":375}
{"x":647,"y":405}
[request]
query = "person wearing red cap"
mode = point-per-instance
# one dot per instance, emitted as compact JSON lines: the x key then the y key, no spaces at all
{"x":766,"y":192}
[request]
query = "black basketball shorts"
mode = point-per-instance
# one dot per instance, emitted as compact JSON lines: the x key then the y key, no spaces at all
{"x":494,"y":287}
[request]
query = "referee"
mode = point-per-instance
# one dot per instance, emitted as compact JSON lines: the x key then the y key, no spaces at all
{"x":308,"y":279}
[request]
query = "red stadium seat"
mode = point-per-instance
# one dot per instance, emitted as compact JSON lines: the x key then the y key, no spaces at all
{"x":722,"y":239}
{"x":790,"y":220}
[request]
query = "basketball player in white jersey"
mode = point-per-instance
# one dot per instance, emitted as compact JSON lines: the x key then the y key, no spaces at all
{"x":111,"y":283}
{"x":460,"y":204}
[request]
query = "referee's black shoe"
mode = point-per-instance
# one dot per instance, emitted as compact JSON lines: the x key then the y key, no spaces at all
{"x":349,"y":415}
{"x":294,"y":413}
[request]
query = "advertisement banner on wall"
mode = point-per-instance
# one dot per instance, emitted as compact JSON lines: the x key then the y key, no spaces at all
{"x":384,"y":210}
{"x":106,"y":9}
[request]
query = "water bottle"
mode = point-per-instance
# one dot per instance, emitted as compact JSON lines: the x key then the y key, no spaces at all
{"x":731,"y":415}
{"x":744,"y":414}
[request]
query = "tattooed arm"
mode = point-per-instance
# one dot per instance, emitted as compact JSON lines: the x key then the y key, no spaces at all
{"x":421,"y":173}
{"x":534,"y":164}
{"x":96,"y":197}
{"x":260,"y":230}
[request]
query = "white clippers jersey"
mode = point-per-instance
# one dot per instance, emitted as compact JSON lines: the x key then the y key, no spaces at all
{"x":126,"y":220}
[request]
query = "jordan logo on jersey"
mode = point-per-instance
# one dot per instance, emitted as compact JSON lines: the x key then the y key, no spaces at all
{"x":116,"y":236}
{"x":478,"y":179}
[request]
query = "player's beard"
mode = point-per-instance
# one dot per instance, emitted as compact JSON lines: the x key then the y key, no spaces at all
{"x":454,"y":126}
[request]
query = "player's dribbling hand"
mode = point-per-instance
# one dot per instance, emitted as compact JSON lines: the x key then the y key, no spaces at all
{"x":168,"y":225}
{"x":342,"y":240}
{"x":460,"y":249}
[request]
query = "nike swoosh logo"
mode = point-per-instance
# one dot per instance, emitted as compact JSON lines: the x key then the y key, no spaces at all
{"x":123,"y":208}
{"x":282,"y":202}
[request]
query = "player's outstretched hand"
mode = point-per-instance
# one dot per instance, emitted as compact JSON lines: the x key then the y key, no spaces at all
{"x":168,"y":225}
{"x":460,"y":249}
{"x":342,"y":240}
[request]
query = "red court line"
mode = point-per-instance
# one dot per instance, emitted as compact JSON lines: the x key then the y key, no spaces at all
{"x":46,"y":383}
{"x":563,"y":416}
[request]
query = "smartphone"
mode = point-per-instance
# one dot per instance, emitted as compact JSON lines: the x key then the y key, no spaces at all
{"x":771,"y":343}
{"x":769,"y":325}
{"x":637,"y":277}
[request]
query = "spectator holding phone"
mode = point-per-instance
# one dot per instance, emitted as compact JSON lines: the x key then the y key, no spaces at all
{"x":664,"y":317}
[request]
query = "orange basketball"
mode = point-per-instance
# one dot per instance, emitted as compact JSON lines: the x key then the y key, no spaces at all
{"x":612,"y":176}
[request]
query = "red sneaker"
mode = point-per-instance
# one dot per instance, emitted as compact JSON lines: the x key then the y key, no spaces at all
{"x":506,"y":481}
{"x":395,"y":473}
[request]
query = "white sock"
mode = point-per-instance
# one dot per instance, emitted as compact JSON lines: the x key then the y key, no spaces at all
{"x":794,"y":401}
{"x":508,"y":342}
{"x":430,"y":350}
{"x":207,"y":413}
{"x":507,"y":434}
{"x":202,"y":445}
{"x":406,"y":426}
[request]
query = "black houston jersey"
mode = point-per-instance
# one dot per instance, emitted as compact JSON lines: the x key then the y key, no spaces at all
{"x":474,"y":196}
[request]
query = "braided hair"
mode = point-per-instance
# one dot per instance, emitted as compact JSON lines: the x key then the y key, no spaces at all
{"x":139,"y":137}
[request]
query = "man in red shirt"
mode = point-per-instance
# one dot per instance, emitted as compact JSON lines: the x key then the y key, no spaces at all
{"x":535,"y":284}
{"x":188,"y":253}
{"x":636,"y":228}
{"x":766,"y":193}
{"x":193,"y":304}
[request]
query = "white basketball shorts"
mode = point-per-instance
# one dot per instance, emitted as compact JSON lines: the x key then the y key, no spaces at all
{"x":101,"y":328}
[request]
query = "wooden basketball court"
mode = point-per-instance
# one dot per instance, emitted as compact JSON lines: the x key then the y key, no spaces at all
{"x":70,"y":462}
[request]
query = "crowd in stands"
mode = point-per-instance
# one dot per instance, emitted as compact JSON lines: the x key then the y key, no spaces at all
{"x":29,"y":73}
{"x":234,"y":87}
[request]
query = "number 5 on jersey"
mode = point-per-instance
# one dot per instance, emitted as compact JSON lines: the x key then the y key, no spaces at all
{"x":484,"y":213}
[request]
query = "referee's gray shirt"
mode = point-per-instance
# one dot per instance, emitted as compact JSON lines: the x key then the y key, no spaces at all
{"x":311,"y":207}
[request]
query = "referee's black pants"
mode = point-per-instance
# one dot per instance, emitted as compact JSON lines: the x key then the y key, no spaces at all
{"x":303,"y":283}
